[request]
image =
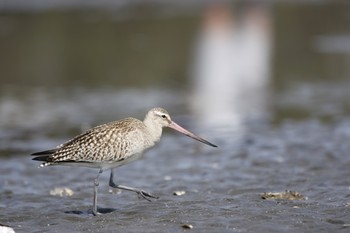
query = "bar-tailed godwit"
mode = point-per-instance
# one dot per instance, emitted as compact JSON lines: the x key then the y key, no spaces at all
{"x":113,"y":144}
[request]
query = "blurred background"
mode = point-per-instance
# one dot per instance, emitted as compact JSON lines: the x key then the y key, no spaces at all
{"x":268,"y":81}
{"x":68,"y":65}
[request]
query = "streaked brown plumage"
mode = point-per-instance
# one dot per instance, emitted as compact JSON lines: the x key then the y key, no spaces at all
{"x":113,"y":144}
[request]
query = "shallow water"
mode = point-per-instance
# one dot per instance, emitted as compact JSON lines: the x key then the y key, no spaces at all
{"x":289,"y":132}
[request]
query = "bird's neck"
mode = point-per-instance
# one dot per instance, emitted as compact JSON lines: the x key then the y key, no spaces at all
{"x":154,"y":130}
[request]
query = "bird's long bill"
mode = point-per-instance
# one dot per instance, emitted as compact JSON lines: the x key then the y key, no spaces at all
{"x":175,"y":126}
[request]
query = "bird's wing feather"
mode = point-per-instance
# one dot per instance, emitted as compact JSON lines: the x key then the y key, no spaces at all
{"x":109,"y":142}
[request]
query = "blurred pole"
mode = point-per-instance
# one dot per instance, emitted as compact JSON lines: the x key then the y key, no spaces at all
{"x":231,"y":68}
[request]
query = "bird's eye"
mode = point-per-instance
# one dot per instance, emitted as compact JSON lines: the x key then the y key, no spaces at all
{"x":163,"y":116}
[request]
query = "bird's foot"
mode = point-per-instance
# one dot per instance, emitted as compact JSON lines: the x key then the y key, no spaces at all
{"x":96,"y":213}
{"x":145,"y":195}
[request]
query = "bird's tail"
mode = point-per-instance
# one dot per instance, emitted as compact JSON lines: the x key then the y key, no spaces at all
{"x":45,"y":156}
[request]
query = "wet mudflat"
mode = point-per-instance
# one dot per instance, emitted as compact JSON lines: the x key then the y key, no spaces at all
{"x":219,"y":189}
{"x":283,"y":130}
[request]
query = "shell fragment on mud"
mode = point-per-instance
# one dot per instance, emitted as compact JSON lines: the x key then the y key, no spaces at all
{"x":62,"y":192}
{"x":187,"y":226}
{"x":179,"y":193}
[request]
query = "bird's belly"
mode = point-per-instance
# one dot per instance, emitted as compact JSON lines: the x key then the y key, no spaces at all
{"x":104,"y":165}
{"x":112,"y":164}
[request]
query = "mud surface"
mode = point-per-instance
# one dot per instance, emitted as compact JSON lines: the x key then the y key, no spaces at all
{"x":220,"y":188}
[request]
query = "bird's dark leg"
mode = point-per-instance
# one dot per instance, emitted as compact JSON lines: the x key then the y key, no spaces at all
{"x":96,"y":183}
{"x":141,"y":193}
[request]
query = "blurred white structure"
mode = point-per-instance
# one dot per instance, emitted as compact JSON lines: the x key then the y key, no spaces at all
{"x":231,"y":68}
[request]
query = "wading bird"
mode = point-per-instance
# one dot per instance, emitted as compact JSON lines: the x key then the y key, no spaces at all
{"x":113,"y":144}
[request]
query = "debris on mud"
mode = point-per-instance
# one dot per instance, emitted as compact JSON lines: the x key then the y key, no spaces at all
{"x":286,"y":195}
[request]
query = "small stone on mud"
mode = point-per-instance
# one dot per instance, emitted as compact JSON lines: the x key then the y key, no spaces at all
{"x":6,"y":229}
{"x":62,"y":192}
{"x":168,"y":178}
{"x":286,"y":195}
{"x":187,"y":226}
{"x":179,"y":193}
{"x":115,"y":191}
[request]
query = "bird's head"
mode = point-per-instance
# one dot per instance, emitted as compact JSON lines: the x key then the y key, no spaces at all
{"x":160,"y":117}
